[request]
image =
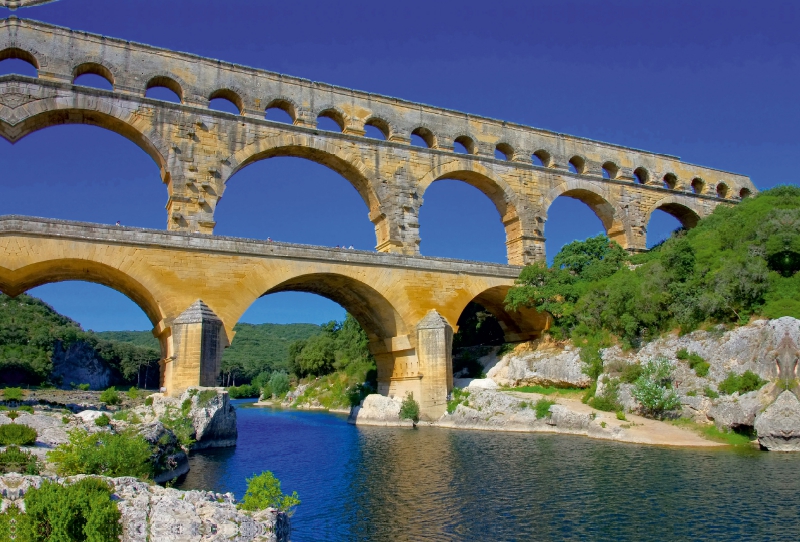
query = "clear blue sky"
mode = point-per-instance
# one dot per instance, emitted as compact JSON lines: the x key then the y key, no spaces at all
{"x":712,"y":82}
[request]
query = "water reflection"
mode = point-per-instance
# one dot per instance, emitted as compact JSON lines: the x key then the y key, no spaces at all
{"x":434,"y":484}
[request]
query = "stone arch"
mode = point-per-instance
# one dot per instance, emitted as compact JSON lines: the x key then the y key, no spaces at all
{"x":94,"y":112}
{"x":94,"y":68}
{"x":285,"y":104}
{"x":230,"y":95}
{"x":30,"y":276}
{"x":495,"y":188}
{"x":335,"y":114}
{"x":507,"y":150}
{"x":166,"y":81}
{"x":597,"y":200}
{"x":21,"y":54}
{"x":378,"y":317}
{"x":381,"y":124}
{"x":468,"y":142}
{"x":687,"y":215}
{"x":343,"y":162}
{"x":428,"y":136}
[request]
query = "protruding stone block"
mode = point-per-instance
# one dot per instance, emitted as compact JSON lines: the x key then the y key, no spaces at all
{"x":198,"y":339}
{"x":435,"y":357}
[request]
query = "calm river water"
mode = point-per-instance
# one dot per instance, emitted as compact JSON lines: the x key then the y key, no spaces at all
{"x":438,"y":484}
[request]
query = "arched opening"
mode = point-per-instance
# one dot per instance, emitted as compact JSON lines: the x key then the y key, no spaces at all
{"x":576,"y":214}
{"x":640,"y":175}
{"x":745,"y":193}
{"x":19,"y":62}
{"x":91,"y":74}
{"x":281,"y":111}
{"x":330,"y":120}
{"x":297,"y":196}
{"x":698,"y":185}
{"x":165,"y":89}
{"x":92,"y":174}
{"x":610,"y":170}
{"x":577,"y":165}
{"x":670,"y":181}
{"x":376,"y":128}
{"x":667,"y":217}
{"x":227,"y":101}
{"x":93,"y":328}
{"x":542,"y":158}
{"x":422,"y":137}
{"x":503,"y":151}
{"x":722,"y":190}
{"x":464,"y":145}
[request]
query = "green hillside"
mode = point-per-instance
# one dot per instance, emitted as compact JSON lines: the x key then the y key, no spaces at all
{"x":139,"y":338}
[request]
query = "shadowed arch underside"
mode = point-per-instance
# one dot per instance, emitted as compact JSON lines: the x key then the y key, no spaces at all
{"x":518,"y":325}
{"x":687,"y":216}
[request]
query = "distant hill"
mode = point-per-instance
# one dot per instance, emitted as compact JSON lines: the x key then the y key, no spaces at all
{"x":256,"y":347}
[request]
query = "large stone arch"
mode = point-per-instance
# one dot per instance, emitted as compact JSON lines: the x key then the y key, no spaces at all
{"x":686,"y":213}
{"x":18,"y":281}
{"x":46,"y":111}
{"x":600,"y":202}
{"x":496,"y":189}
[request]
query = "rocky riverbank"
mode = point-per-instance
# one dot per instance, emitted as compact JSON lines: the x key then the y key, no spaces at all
{"x":766,"y":348}
{"x":152,"y":512}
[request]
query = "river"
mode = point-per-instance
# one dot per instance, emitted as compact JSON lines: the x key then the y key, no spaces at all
{"x":374,"y":483}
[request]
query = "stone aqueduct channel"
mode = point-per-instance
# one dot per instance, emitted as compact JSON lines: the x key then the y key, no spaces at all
{"x":195,"y":286}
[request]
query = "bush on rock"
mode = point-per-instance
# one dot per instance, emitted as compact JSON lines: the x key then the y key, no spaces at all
{"x":107,"y":454}
{"x":18,"y":434}
{"x":409,"y":409}
{"x":264,"y":491}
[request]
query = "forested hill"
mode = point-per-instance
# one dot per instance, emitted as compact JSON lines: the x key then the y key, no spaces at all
{"x":256,"y":348}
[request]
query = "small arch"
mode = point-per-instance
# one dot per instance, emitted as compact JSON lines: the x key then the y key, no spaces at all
{"x":503,"y":151}
{"x":280,"y":110}
{"x":722,"y":190}
{"x":19,"y":62}
{"x":424,"y":138}
{"x":610,"y":170}
{"x":745,"y":193}
{"x":377,"y":128}
{"x":577,"y":165}
{"x":164,"y":82}
{"x":542,"y":158}
{"x":331,"y":120}
{"x":671,"y":205}
{"x":92,"y":69}
{"x":670,"y":181}
{"x":698,"y":185}
{"x":226,"y":100}
{"x":466,"y":144}
{"x":641,"y":175}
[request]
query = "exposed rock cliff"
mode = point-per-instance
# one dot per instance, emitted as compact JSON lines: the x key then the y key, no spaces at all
{"x":151,"y":512}
{"x":540,"y":362}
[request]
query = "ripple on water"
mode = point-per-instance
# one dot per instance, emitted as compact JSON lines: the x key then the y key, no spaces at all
{"x":377,"y":483}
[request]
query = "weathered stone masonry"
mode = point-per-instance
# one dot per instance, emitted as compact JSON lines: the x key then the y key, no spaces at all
{"x":198,"y":149}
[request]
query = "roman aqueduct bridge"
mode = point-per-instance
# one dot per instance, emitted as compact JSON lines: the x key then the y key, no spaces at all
{"x":522,"y":170}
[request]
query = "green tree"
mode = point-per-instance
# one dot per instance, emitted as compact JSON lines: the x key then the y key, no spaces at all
{"x":653,"y":388}
{"x":264,"y":491}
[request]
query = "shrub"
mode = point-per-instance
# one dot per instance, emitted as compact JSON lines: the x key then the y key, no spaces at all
{"x":609,"y":400}
{"x":743,"y":383}
{"x":12,"y":394}
{"x":13,"y":459}
{"x":148,"y":401}
{"x":358,"y":393}
{"x":12,"y":415}
{"x":110,"y":396}
{"x":26,"y":408}
{"x":180,"y":424}
{"x":102,"y":420}
{"x":264,"y":491}
{"x":18,"y":434}
{"x":542,"y":407}
{"x":77,"y":512}
{"x":653,"y":389}
{"x":621,"y":416}
{"x":103,"y":453}
{"x":84,"y":387}
{"x":65,"y":419}
{"x":710,"y":393}
{"x":205,"y":397}
{"x":459,"y":396}
{"x":122,"y":415}
{"x":409,"y":409}
{"x":631,"y":373}
{"x":133,"y":393}
{"x":279,"y":383}
{"x":695,"y":361}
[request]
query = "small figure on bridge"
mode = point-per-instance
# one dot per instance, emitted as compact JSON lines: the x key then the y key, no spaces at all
{"x":118,"y":224}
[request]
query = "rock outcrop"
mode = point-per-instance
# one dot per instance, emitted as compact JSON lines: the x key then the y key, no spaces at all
{"x":80,"y":364}
{"x":540,"y":362}
{"x":778,"y":427}
{"x":151,"y":512}
{"x":378,"y":410}
{"x":210,"y":410}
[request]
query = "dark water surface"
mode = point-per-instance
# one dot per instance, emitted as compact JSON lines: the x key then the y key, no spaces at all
{"x":438,"y":484}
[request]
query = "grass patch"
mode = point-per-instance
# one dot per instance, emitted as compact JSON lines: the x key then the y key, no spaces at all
{"x":548,"y":390}
{"x":542,"y":407}
{"x":711,"y":432}
{"x":459,"y":397}
{"x":695,"y":361}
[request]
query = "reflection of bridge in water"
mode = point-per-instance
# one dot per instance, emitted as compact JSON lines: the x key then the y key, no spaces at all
{"x":522,"y":170}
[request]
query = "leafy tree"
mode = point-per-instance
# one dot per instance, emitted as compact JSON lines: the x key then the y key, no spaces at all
{"x":110,"y":396}
{"x":409,"y":408}
{"x":653,"y":389}
{"x":279,"y":383}
{"x":264,"y":491}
